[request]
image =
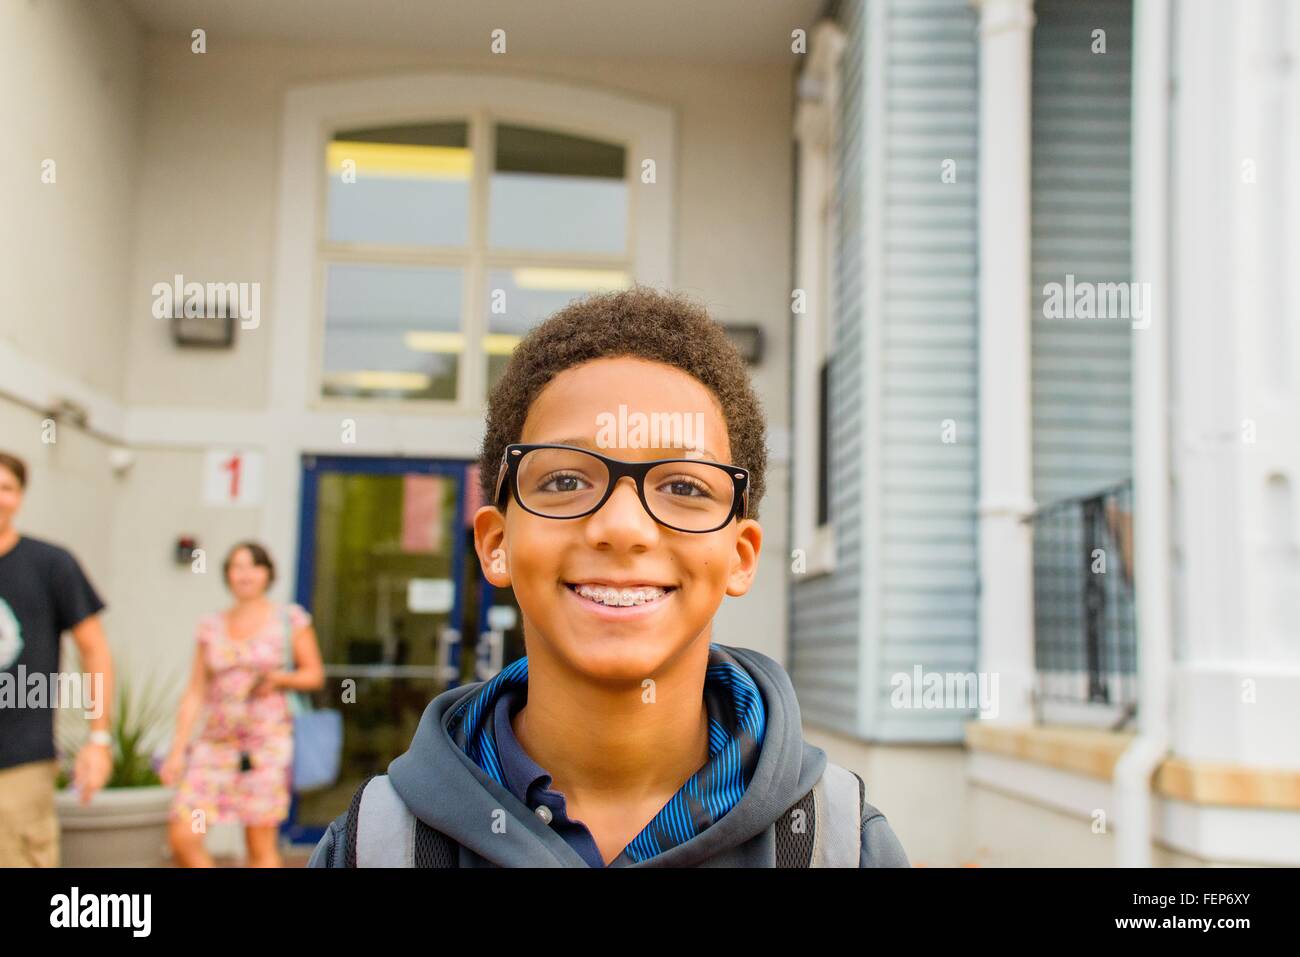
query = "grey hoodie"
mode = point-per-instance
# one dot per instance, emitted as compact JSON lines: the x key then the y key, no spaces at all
{"x":443,"y":787}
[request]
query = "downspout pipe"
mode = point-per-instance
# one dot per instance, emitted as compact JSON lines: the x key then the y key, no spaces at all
{"x":1132,"y":782}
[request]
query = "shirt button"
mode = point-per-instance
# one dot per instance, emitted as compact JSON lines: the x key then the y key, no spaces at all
{"x":544,"y":813}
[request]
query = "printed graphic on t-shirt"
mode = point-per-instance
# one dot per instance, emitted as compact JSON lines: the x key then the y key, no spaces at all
{"x":11,"y":636}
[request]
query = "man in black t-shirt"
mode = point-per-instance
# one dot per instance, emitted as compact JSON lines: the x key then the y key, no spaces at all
{"x":43,"y":592}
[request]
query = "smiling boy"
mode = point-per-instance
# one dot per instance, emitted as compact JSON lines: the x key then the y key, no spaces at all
{"x":627,"y":736}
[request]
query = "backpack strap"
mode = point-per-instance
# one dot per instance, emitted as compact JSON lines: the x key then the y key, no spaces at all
{"x":838,"y":796}
{"x":794,"y":833}
{"x":384,"y":835}
{"x":824,"y":827}
{"x":381,"y":831}
{"x":350,"y":825}
{"x":433,"y":848}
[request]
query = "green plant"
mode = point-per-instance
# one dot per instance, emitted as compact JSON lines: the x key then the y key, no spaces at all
{"x":137,"y":721}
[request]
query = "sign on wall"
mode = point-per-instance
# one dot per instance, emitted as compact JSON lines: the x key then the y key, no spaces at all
{"x":430,"y":596}
{"x":232,"y":477}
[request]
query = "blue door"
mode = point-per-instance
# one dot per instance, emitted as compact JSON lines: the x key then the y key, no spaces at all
{"x":386,"y":567}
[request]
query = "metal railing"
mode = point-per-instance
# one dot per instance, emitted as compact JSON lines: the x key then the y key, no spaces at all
{"x":1085,"y":650}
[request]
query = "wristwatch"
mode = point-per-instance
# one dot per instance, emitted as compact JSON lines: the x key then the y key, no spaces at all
{"x":101,"y":737}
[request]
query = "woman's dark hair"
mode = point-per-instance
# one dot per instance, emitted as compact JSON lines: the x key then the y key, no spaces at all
{"x":261,"y":558}
{"x":16,"y":465}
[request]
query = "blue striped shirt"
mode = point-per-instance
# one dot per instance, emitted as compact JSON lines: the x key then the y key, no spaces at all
{"x":737,"y":721}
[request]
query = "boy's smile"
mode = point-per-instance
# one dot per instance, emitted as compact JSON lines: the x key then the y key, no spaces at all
{"x":615,"y":596}
{"x":617,"y":601}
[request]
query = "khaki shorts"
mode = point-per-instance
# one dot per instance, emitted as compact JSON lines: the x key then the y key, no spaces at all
{"x":29,"y":825}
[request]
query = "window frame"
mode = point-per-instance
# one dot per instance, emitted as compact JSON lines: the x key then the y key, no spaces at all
{"x":314,"y":114}
{"x":476,"y":259}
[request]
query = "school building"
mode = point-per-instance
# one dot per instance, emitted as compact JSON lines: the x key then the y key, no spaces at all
{"x":1011,"y":276}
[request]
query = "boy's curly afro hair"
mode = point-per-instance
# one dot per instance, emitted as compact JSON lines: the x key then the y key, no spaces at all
{"x":645,"y":323}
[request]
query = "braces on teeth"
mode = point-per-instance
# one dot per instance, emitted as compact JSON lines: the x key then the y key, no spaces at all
{"x":624,"y":597}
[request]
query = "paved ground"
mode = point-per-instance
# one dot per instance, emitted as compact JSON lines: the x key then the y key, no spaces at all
{"x":291,"y":859}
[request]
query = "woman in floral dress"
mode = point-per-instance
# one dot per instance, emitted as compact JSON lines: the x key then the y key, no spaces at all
{"x":238,"y":768}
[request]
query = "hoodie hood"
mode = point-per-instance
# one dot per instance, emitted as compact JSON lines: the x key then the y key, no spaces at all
{"x":758,"y":767}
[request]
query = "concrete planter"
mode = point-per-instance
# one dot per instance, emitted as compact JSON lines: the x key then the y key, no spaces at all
{"x":121,"y":827}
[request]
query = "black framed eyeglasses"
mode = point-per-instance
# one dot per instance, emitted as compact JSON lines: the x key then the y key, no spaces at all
{"x":561,"y":481}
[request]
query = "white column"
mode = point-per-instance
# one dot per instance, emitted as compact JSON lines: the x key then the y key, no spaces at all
{"x":814,"y":129}
{"x":1236,"y":333}
{"x":1006,"y":499}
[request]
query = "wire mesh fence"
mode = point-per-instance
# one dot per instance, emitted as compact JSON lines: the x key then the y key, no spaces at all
{"x":1085,"y":654}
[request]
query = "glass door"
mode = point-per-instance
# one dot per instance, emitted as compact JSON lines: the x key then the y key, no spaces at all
{"x":387,"y":569}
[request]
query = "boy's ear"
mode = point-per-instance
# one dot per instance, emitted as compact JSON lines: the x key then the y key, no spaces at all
{"x":749,"y":542}
{"x":489,"y":542}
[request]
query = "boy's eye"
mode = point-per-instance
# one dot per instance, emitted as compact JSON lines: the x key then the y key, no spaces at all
{"x":686,"y":487}
{"x":563,"y":482}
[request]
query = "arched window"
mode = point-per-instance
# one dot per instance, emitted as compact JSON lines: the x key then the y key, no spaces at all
{"x":447,"y":216}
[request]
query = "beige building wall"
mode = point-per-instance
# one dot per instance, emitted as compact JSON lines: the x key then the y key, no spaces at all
{"x":209,"y":167}
{"x":73,"y":96}
{"x":182,"y":153}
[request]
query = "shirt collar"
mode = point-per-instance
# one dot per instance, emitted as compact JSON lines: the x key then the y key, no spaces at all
{"x":519,"y":770}
{"x":737,"y":722}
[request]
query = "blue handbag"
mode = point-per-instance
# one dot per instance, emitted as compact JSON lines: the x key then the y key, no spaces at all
{"x":317,"y":733}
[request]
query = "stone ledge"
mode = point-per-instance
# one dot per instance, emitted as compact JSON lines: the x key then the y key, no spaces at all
{"x":1204,"y":782}
{"x":1095,"y":752}
{"x":1083,"y":750}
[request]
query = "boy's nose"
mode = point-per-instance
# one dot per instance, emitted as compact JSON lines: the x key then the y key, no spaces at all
{"x":622,"y":521}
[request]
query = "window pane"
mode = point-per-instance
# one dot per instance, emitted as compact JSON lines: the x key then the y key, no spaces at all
{"x":400,"y":185}
{"x":557,"y":193}
{"x":392,"y":332}
{"x":520,"y":298}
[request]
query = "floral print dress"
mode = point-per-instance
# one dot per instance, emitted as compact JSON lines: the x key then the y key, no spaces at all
{"x":237,"y":723}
